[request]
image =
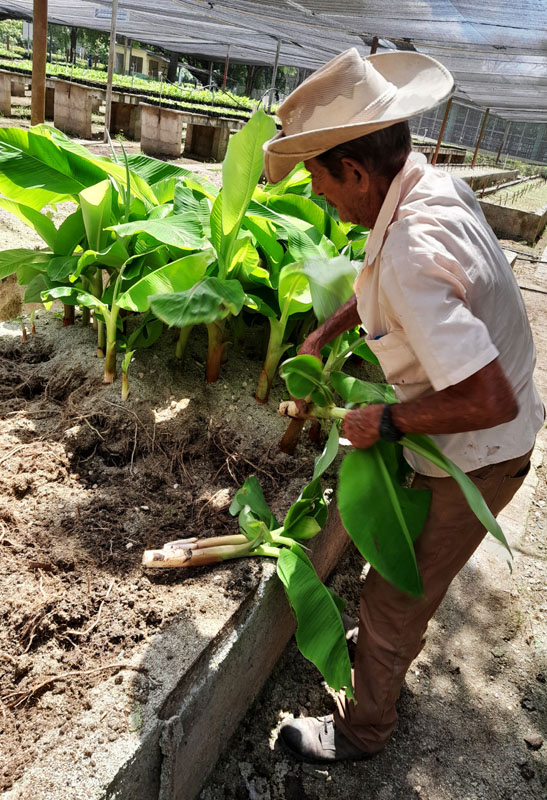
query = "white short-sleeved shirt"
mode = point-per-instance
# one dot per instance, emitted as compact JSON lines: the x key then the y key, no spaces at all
{"x":440,"y":302}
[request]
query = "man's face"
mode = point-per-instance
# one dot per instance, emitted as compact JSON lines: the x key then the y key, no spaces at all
{"x":357,"y":195}
{"x":337,"y":192}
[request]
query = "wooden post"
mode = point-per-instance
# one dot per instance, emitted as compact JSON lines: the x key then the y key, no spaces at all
{"x":129,"y":70}
{"x":441,"y":132}
{"x":374,"y":45}
{"x":39,"y":56}
{"x":111,"y":54}
{"x":503,"y":139}
{"x":483,"y":126}
{"x":226,"y":68}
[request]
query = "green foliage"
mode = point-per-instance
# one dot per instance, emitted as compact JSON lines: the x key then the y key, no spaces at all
{"x":382,"y":516}
{"x":146,"y":229}
{"x":320,"y":633}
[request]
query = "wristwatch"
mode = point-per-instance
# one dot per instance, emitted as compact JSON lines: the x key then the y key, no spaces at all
{"x":388,"y":431}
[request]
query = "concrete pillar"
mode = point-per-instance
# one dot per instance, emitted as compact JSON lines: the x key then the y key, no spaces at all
{"x":50,"y":102}
{"x":72,"y":109}
{"x":18,"y":86}
{"x":220,"y":141}
{"x":161,"y":131}
{"x":126,"y":119}
{"x":5,"y":94}
{"x":199,"y":140}
{"x":97,"y":100}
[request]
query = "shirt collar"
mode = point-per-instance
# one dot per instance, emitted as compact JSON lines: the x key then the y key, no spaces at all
{"x":389,"y":207}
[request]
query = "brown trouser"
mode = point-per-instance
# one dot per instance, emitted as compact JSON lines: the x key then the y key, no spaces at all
{"x":392,"y":624}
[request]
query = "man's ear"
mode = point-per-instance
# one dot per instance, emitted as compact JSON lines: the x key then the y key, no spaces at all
{"x":356,"y":174}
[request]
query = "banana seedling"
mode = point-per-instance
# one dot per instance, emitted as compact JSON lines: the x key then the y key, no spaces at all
{"x":320,"y":633}
{"x":382,"y":516}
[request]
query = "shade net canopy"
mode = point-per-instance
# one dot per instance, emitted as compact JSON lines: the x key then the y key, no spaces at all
{"x":496,"y":49}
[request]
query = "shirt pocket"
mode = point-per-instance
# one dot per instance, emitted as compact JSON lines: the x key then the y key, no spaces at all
{"x":398,"y":360}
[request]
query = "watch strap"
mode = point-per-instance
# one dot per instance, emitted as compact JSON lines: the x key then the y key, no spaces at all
{"x":388,"y":431}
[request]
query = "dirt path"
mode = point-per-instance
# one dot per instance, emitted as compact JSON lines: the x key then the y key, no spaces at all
{"x":474,"y":706}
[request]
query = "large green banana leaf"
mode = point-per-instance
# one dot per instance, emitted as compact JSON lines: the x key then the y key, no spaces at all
{"x":209,"y":300}
{"x":178,"y":276}
{"x":96,"y":205}
{"x":139,"y":186}
{"x":42,"y":224}
{"x":242,"y":168}
{"x":426,"y":447}
{"x":12,"y":260}
{"x":381,"y":517}
{"x":41,"y":166}
{"x":320,"y":634}
{"x":183,"y":230}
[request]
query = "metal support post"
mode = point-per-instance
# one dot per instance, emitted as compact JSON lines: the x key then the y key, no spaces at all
{"x":226,"y":68}
{"x":39,"y":57}
{"x":483,"y":126}
{"x":111,"y":54}
{"x":503,"y":139}
{"x":276,"y":63}
{"x":441,"y":132}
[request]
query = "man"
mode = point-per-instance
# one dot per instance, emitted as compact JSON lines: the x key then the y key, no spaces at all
{"x":446,"y":319}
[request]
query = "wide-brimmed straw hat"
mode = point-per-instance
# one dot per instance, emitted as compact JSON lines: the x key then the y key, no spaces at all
{"x":349,"y":97}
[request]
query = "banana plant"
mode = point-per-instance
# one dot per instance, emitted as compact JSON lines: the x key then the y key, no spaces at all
{"x":218,"y":296}
{"x":123,"y":228}
{"x":381,"y":515}
{"x":317,"y":283}
{"x":43,"y":167}
{"x":320,"y":632}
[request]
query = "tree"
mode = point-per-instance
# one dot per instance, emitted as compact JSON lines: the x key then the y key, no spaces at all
{"x":12,"y":29}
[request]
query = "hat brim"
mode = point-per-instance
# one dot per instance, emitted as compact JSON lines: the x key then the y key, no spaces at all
{"x":421,"y":82}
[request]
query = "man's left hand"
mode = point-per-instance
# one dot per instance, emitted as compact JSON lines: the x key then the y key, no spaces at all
{"x":361,"y":426}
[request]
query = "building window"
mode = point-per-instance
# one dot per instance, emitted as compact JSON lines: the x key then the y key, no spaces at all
{"x":136,"y":64}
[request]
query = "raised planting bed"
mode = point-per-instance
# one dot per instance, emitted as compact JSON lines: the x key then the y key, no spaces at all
{"x":125,"y":681}
{"x":147,"y":88}
{"x":480,"y":178}
{"x":518,"y":212}
{"x":214,"y":108}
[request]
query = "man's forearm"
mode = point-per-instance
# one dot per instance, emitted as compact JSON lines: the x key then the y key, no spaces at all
{"x":346,"y":318}
{"x":484,"y":400}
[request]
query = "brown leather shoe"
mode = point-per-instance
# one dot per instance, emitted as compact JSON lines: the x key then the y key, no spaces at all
{"x":316,"y":739}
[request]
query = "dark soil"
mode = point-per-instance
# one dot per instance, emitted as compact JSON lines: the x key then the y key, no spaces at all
{"x":87,"y":483}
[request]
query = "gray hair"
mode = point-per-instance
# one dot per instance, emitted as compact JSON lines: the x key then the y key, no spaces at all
{"x":381,"y":153}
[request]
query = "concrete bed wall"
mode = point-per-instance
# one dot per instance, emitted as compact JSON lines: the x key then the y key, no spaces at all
{"x":512,"y":223}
